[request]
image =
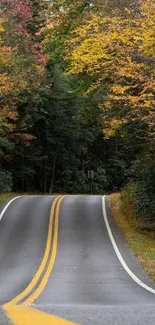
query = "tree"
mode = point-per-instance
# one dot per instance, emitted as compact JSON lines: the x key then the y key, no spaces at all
{"x":22,"y":68}
{"x":117,"y":54}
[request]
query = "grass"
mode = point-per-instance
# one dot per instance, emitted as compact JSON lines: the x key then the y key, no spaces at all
{"x":6,"y":196}
{"x":142,"y":243}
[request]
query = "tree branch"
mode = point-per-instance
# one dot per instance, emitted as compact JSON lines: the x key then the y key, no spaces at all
{"x":144,"y":58}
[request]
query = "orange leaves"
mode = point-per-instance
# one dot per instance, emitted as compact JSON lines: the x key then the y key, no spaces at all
{"x":22,"y":66}
{"x":22,"y":137}
{"x":8,"y":117}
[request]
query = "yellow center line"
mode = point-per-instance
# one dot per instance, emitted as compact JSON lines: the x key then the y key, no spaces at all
{"x":46,"y":276}
{"x":42,"y":266}
{"x":23,"y":315}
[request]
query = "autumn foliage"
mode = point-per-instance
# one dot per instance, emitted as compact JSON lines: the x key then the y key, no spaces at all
{"x":77,"y":87}
{"x":22,"y":66}
{"x":117,"y":54}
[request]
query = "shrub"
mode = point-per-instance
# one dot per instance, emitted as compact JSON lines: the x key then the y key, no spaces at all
{"x":138,"y":199}
{"x":128,"y":199}
{"x":5,"y":181}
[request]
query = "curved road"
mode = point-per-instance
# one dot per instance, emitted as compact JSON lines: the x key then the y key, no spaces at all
{"x":56,"y":256}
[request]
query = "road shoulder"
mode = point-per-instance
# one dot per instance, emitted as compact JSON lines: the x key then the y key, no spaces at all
{"x":127,"y":254}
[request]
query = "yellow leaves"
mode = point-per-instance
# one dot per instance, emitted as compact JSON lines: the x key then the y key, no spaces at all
{"x":8,"y":112}
{"x":108,"y":133}
{"x":148,"y":44}
{"x":147,"y":28}
{"x":94,"y":86}
{"x":114,"y":53}
{"x":39,"y":69}
{"x":95,"y":25}
{"x":112,"y":126}
{"x":11,"y":85}
{"x":12,"y":115}
{"x":148,"y":104}
{"x":133,"y":100}
{"x":6,"y":84}
{"x":129,"y":69}
{"x":118,"y":89}
{"x":99,"y":42}
{"x":2,"y":29}
{"x":127,"y":11}
{"x":91,"y":54}
{"x":2,"y":21}
{"x":148,"y":8}
{"x":50,"y":26}
{"x":148,"y":100}
{"x":110,"y":39}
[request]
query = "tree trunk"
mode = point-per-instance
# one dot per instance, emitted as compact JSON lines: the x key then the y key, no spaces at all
{"x":53,"y":173}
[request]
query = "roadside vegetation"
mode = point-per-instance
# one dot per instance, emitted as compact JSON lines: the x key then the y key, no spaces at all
{"x":6,"y":196}
{"x":138,"y":232}
{"x":78,"y":94}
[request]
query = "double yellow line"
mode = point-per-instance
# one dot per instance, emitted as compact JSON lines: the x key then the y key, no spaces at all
{"x":40,"y":279}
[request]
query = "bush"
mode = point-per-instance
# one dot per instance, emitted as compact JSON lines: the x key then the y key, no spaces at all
{"x":128,"y":199}
{"x":100,"y":182}
{"x":5,"y":181}
{"x":138,"y":198}
{"x":145,"y":203}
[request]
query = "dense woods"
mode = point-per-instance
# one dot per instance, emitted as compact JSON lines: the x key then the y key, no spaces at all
{"x":77,"y":87}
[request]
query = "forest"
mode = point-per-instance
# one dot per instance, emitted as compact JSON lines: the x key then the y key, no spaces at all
{"x":77,"y":89}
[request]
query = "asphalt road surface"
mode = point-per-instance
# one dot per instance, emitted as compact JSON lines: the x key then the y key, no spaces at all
{"x":56,"y":257}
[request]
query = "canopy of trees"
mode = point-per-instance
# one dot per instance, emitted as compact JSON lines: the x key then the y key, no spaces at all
{"x":77,"y":94}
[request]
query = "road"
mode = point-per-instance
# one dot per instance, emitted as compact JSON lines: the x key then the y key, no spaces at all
{"x":57,"y":258}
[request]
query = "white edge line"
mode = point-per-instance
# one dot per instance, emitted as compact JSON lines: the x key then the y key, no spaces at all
{"x":132,"y":275}
{"x":7,"y":205}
